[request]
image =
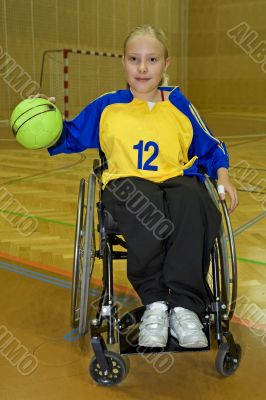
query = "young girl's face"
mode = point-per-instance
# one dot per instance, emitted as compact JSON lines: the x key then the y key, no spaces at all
{"x":144,"y":62}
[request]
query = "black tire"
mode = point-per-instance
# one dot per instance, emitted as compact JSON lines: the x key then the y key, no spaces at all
{"x":84,"y":256}
{"x":119,"y":368}
{"x":88,"y":256}
{"x":78,"y":249}
{"x":225,"y":364}
{"x":226,"y":254}
{"x":228,"y":257}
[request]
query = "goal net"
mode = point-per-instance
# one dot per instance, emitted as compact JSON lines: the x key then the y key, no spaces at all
{"x":76,"y":77}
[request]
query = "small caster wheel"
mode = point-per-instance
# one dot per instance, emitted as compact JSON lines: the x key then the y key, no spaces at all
{"x":119,"y":368}
{"x":225,"y":364}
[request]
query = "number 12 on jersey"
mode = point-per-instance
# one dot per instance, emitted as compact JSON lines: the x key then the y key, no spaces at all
{"x":141,"y":146}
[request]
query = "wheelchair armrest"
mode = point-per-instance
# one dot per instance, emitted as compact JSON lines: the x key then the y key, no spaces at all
{"x":99,"y":165}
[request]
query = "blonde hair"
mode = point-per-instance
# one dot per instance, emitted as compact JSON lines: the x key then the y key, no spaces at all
{"x":156,"y":33}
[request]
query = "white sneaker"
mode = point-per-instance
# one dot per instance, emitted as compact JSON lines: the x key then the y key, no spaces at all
{"x":154,"y":325}
{"x":186,"y":327}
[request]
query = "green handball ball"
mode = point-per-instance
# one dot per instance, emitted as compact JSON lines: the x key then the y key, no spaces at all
{"x":36,"y":123}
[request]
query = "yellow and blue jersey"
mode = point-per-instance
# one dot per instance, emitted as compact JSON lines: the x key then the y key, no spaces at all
{"x":168,"y":140}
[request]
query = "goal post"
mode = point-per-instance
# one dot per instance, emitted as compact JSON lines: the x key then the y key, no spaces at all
{"x":76,"y":77}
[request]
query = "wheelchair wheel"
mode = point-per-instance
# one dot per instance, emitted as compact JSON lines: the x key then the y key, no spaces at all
{"x":225,"y":247}
{"x":84,"y":256}
{"x":225,"y":364}
{"x":78,"y":252}
{"x":119,"y":368}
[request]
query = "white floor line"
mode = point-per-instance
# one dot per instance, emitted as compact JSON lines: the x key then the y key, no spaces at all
{"x":243,"y":136}
{"x":231,"y":116}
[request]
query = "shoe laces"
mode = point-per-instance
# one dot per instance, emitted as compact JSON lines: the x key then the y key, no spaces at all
{"x":186,"y":318}
{"x":157,"y":305}
{"x":155,"y":318}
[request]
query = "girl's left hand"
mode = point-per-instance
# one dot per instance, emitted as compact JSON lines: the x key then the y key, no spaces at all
{"x":224,"y":180}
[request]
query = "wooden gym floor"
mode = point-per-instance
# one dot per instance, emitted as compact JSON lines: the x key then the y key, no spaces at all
{"x":36,"y":279}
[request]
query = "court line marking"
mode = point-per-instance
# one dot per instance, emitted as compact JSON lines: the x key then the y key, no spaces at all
{"x":248,"y":323}
{"x":50,"y":268}
{"x":241,"y":143}
{"x":117,"y":287}
{"x":34,"y":273}
{"x":67,"y":285}
{"x":82,"y":158}
{"x":53,"y":281}
{"x":41,"y":277}
{"x":247,"y":260}
{"x":252,"y":117}
{"x":250,"y":191}
{"x":95,"y":292}
{"x":248,"y":168}
{"x":44,"y":219}
{"x":27,"y":216}
{"x":59,"y":283}
{"x":248,"y":224}
{"x":56,"y":270}
{"x":243,"y":136}
{"x":59,"y":271}
{"x":73,"y":335}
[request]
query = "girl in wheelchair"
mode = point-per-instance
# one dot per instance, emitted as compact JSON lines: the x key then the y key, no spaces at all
{"x":156,"y":146}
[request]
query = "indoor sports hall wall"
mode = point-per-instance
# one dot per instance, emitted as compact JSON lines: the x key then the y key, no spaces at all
{"x":29,"y":27}
{"x":217,"y":47}
{"x":227,"y":55}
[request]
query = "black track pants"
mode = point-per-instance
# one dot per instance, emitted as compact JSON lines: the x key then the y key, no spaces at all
{"x":169,"y":228}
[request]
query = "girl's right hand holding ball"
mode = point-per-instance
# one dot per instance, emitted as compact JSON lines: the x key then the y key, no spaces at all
{"x":42,"y":96}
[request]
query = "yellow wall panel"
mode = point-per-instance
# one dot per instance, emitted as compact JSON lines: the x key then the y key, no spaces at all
{"x":218,"y":73}
{"x":30,"y":27}
{"x":219,"y":63}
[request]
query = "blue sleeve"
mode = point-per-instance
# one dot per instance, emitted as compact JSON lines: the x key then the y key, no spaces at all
{"x":211,"y":152}
{"x":82,"y":132}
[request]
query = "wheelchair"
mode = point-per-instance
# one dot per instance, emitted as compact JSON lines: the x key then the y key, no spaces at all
{"x":106,"y":328}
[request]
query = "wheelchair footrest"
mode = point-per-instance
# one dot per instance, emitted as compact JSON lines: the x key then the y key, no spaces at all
{"x":128,"y":345}
{"x":128,"y":334}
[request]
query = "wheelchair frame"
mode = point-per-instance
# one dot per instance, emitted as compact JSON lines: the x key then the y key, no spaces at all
{"x":109,"y":368}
